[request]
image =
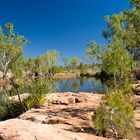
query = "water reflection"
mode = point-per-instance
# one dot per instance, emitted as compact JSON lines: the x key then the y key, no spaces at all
{"x":82,"y":84}
{"x":43,"y":85}
{"x":75,"y":85}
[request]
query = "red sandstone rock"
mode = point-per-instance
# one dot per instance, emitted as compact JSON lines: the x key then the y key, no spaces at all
{"x":68,"y":117}
{"x":17,"y":129}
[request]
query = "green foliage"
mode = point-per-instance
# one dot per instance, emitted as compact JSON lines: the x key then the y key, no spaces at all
{"x":126,"y":28}
{"x":81,"y":68}
{"x":29,"y":65}
{"x":11,"y":47}
{"x":10,"y":108}
{"x":99,"y":121}
{"x":38,"y":88}
{"x":118,"y":61}
{"x":37,"y":65}
{"x":135,"y":3}
{"x":17,"y":67}
{"x":42,"y":65}
{"x":133,"y":29}
{"x":74,"y":62}
{"x":123,"y":37}
{"x":65,"y":61}
{"x":115,"y":25}
{"x":121,"y":51}
{"x":89,"y":70}
{"x":93,"y":53}
{"x":35,"y":101}
{"x":58,"y":69}
{"x":114,"y":115}
{"x":52,"y":59}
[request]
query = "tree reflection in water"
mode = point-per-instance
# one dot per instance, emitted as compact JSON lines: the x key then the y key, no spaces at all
{"x":82,"y":84}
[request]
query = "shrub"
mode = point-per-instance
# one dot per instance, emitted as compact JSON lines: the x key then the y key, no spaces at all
{"x":114,"y":116}
{"x":38,"y":88}
{"x":58,"y":69}
{"x":10,"y":109}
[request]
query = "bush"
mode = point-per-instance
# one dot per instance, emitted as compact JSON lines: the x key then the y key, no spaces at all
{"x":38,"y":88}
{"x":10,"y":109}
{"x":35,"y":100}
{"x":114,"y":117}
{"x":58,"y":69}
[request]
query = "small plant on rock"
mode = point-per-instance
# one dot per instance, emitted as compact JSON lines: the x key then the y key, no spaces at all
{"x":38,"y":88}
{"x":10,"y":108}
{"x":114,"y":116}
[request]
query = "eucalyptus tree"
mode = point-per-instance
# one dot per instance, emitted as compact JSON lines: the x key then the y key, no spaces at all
{"x":93,"y":53}
{"x":52,"y":59}
{"x":123,"y":37}
{"x":133,"y":29}
{"x":126,"y":27}
{"x":117,"y":62}
{"x":11,"y":47}
{"x":65,"y":61}
{"x":17,"y":68}
{"x":123,"y":44}
{"x":74,"y":62}
{"x":37,"y":66}
{"x":30,"y":65}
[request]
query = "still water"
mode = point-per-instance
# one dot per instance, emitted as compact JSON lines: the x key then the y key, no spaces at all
{"x":82,"y":84}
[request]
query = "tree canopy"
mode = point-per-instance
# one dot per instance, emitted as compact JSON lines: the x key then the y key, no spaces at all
{"x":11,"y":47}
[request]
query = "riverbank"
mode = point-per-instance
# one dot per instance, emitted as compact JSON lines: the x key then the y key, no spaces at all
{"x":68,"y":116}
{"x":66,"y":75}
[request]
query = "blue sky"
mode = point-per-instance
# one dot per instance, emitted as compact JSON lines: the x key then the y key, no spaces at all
{"x":64,"y":25}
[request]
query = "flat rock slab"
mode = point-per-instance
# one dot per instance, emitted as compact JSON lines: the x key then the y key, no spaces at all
{"x":17,"y":129}
{"x":67,"y":117}
{"x":61,"y":111}
{"x":73,"y":98}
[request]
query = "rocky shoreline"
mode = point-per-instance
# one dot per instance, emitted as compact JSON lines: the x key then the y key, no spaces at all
{"x":68,"y":116}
